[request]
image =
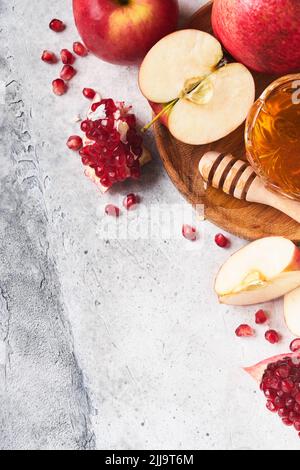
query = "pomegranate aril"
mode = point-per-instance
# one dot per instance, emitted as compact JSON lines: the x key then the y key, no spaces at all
{"x":287,"y":422}
{"x":105,"y":181}
{"x":135,"y":173}
{"x":49,"y":57}
{"x":297,"y":398}
{"x":189,"y":232}
{"x":57,"y":25}
{"x":271,"y":407}
{"x":89,"y":93}
{"x":272,"y":336}
{"x":221,"y":240}
{"x":244,"y":331}
{"x":67,"y":57}
{"x":80,"y":49}
{"x":295,"y":345}
{"x":297,"y":425}
{"x":75,"y":143}
{"x":95,"y":106}
{"x":67,"y":73}
{"x":59,"y":87}
{"x":112,"y":210}
{"x":260,"y":317}
{"x":130,"y":201}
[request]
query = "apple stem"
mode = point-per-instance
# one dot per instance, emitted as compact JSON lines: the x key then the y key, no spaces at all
{"x":158,"y":116}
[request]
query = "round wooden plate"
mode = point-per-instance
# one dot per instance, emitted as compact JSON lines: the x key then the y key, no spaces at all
{"x":249,"y":221}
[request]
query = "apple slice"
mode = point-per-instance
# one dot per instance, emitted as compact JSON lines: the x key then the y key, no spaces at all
{"x":292,"y":311}
{"x":262,"y":271}
{"x":199,"y":97}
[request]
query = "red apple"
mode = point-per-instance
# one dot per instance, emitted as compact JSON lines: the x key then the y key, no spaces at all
{"x":123,"y":31}
{"x":263,"y":35}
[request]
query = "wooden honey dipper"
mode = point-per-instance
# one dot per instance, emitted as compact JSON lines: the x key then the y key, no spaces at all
{"x":237,"y":178}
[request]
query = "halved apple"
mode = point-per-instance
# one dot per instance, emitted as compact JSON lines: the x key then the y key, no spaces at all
{"x":263,"y":270}
{"x":292,"y":311}
{"x":200,"y":97}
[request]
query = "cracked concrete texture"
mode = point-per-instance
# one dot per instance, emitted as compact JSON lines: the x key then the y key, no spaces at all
{"x":107,"y":344}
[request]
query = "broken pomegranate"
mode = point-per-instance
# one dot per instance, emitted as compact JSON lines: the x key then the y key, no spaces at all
{"x":59,"y":87}
{"x":189,"y":232}
{"x":112,"y":210}
{"x":279,"y":379}
{"x":80,"y":49}
{"x":221,"y":240}
{"x":57,"y":26}
{"x":113,"y":150}
{"x":244,"y":331}
{"x":272,"y":336}
{"x":130,"y":201}
{"x":75,"y":143}
{"x":295,"y":345}
{"x":49,"y":57}
{"x":89,"y":93}
{"x":67,"y":57}
{"x":260,"y":317}
{"x":67,"y":73}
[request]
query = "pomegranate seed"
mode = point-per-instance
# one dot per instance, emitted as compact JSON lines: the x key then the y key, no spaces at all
{"x":130,"y":201}
{"x":287,"y":422}
{"x":89,"y":93}
{"x":295,"y":345}
{"x":297,"y":398}
{"x":271,"y":407}
{"x":49,"y":57}
{"x":57,"y":26}
{"x":260,"y":317}
{"x":80,"y":49}
{"x":244,"y":331}
{"x":297,"y":425}
{"x":75,"y":143}
{"x":67,"y":57}
{"x":221,"y":240}
{"x":272,"y":336}
{"x":189,"y":232}
{"x":59,"y":87}
{"x":67,"y":73}
{"x":112,"y":210}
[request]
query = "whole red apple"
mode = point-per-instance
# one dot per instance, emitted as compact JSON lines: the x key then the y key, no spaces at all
{"x":123,"y":31}
{"x":263,"y":35}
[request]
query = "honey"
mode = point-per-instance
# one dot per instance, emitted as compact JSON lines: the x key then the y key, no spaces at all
{"x":273,"y":136}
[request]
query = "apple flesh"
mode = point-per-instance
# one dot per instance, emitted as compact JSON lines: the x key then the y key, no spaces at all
{"x":123,"y":31}
{"x":204,"y":100}
{"x":264,"y":270}
{"x":263,"y":35}
{"x":292,"y":311}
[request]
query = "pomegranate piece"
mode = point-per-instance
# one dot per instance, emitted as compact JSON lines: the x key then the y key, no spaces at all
{"x":221,"y":240}
{"x":59,"y":87}
{"x":295,"y":345}
{"x":260,"y":317}
{"x":112,"y":210}
{"x":67,"y":73}
{"x":272,"y":336}
{"x":67,"y":57}
{"x":80,"y":49}
{"x":130,"y":201}
{"x":89,"y":93}
{"x":244,"y":331}
{"x":49,"y":57}
{"x":57,"y":26}
{"x":75,"y":143}
{"x":189,"y":232}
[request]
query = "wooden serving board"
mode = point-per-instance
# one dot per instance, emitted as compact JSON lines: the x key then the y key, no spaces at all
{"x":246,"y":220}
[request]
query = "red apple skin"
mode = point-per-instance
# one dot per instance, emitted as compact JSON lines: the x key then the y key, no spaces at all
{"x":157,"y":108}
{"x":263,"y":35}
{"x":123,"y":34}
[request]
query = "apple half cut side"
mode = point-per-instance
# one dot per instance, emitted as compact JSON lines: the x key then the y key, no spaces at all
{"x":198,"y":96}
{"x":291,"y":307}
{"x":264,"y":270}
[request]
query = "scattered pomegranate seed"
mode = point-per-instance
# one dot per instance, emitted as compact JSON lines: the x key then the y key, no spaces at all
{"x":67,"y":57}
{"x":272,"y":336}
{"x":89,"y":93}
{"x":112,"y":210}
{"x":244,"y":331}
{"x":49,"y":57}
{"x":80,"y":49}
{"x":189,"y":232}
{"x":295,"y":345}
{"x":130,"y":201}
{"x":57,"y":26}
{"x":260,"y":317}
{"x":67,"y":72}
{"x":59,"y":87}
{"x":221,"y":240}
{"x":75,"y":143}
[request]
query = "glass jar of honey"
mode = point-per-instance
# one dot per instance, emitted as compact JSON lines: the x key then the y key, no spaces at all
{"x":273,"y":136}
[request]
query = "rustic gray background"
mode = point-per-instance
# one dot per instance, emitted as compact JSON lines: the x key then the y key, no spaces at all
{"x":106,"y":344}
